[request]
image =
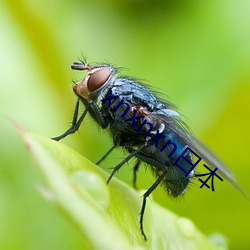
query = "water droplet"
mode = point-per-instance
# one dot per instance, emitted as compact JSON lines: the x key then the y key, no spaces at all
{"x":94,"y":185}
{"x":186,"y":226}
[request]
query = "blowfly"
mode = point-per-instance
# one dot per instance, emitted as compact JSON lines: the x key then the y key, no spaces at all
{"x":148,"y":127}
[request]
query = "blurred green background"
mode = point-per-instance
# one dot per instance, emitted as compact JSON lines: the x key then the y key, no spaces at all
{"x":195,"y":52}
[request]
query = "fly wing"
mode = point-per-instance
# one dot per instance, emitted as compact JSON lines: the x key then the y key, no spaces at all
{"x":172,"y":120}
{"x":209,"y":157}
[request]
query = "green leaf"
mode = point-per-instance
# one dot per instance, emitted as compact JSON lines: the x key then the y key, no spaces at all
{"x":107,"y":215}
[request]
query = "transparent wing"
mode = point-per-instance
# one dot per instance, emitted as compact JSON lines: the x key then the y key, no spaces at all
{"x":174,"y":123}
{"x":213,"y":161}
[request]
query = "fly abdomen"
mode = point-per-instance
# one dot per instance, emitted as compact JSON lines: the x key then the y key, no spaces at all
{"x":164,"y":155}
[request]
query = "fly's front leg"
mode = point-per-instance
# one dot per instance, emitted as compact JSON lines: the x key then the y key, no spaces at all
{"x":75,"y":123}
{"x":97,"y":114}
{"x":93,"y":109}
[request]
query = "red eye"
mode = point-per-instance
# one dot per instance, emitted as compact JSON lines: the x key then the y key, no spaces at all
{"x":97,"y":79}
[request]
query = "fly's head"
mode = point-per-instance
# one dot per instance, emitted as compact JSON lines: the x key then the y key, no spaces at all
{"x":95,"y":80}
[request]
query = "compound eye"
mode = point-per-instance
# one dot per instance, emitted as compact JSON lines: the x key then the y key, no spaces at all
{"x":97,"y":79}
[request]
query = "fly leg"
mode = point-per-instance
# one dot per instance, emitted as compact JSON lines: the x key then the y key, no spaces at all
{"x":97,"y":114}
{"x":145,"y":196}
{"x":105,"y":155}
{"x":124,"y":161}
{"x":75,"y":124}
{"x":91,"y":107}
{"x":135,"y":169}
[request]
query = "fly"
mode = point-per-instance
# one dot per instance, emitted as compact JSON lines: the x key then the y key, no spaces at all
{"x":138,"y":120}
